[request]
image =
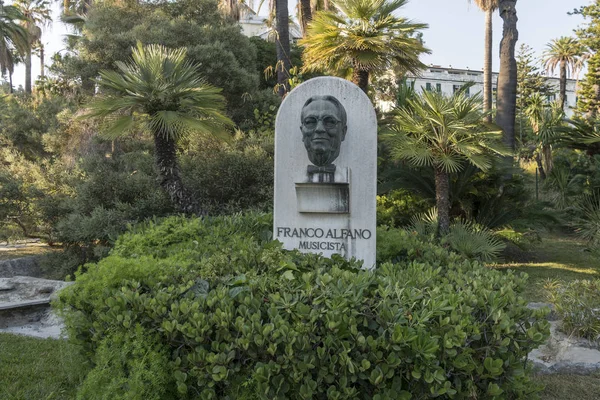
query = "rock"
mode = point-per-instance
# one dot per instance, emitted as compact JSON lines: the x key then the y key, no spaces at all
{"x":565,"y":354}
{"x":25,"y":266}
{"x":5,"y":285}
{"x":46,"y":290}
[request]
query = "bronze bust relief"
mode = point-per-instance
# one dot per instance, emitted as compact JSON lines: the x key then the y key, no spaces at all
{"x":323,"y":125}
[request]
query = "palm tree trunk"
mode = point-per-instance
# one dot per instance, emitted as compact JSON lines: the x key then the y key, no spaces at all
{"x":306,"y":14}
{"x":562,"y":91}
{"x":487,"y":65}
{"x":540,"y":166}
{"x":41,"y":60}
{"x":507,"y":78}
{"x":10,"y":82}
{"x":442,"y":199}
{"x":28,"y":71}
{"x":283,"y":46}
{"x":361,"y":79}
{"x":548,"y":161}
{"x":168,"y":169}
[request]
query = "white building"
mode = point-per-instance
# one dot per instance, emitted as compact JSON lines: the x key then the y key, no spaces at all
{"x":449,"y":80}
{"x":256,"y":25}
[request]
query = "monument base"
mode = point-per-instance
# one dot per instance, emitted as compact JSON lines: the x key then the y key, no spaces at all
{"x":331,"y":198}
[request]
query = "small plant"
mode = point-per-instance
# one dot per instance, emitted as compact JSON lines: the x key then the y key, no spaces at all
{"x":588,"y":224}
{"x":577,"y":303}
{"x":467,"y":238}
{"x":474,"y":241}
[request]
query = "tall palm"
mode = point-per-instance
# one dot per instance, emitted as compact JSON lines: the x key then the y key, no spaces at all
{"x":564,"y":53}
{"x":445,"y":133}
{"x":488,"y":6}
{"x":364,"y":35}
{"x":13,"y":38}
{"x":305,"y":11}
{"x":506,"y":102}
{"x":284,"y":63}
{"x":37,"y":14}
{"x":162,"y":89}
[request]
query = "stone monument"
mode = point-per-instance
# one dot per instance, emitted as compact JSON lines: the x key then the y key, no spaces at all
{"x":326,"y":169}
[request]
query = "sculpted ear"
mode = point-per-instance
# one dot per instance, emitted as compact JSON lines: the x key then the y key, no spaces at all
{"x":344,"y":130}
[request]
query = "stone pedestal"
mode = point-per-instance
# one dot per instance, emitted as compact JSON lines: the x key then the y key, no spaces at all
{"x":325,"y":170}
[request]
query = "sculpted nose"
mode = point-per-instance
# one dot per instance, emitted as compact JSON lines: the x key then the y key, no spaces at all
{"x":320,"y":126}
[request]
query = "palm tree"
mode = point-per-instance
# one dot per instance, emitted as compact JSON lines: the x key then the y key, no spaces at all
{"x":564,"y":53}
{"x":364,"y":35}
{"x":488,"y":6}
{"x":304,"y":14}
{"x":284,"y":64}
{"x":164,"y":90}
{"x":445,"y":133}
{"x":506,"y":102}
{"x":37,"y":14}
{"x":13,"y":38}
{"x":545,"y":121}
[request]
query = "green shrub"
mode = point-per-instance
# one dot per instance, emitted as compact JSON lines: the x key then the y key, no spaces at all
{"x":398,"y":207}
{"x":577,"y":303}
{"x":237,"y":317}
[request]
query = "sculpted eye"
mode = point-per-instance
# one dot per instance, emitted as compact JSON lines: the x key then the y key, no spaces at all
{"x":330,"y":122}
{"x":310,"y":122}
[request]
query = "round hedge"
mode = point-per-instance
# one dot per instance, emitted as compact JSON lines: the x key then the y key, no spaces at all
{"x":213,"y":309}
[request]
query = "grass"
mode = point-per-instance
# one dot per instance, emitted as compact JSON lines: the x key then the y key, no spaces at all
{"x":556,"y":257}
{"x":8,"y":253}
{"x":570,"y":387}
{"x":38,"y":369}
{"x":559,"y":257}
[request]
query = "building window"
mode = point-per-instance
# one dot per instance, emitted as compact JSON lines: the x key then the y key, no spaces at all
{"x":438,"y":87}
{"x":468,"y":92}
{"x":455,"y":88}
{"x":428,"y":87}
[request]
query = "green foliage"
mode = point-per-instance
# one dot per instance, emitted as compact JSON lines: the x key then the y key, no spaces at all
{"x":114,"y":192}
{"x":577,"y":304}
{"x":232,"y":177}
{"x":227,"y":57}
{"x":186,"y":104}
{"x":129,"y":365}
{"x":237,"y":317}
{"x":363,"y":35}
{"x":397,"y":207}
{"x":446,"y":133}
{"x":474,"y":241}
{"x":33,"y":368}
{"x":467,"y":238}
{"x":530,"y":77}
{"x":587,"y":225}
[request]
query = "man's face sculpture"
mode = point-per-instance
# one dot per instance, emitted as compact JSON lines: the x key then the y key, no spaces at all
{"x":323,"y":130}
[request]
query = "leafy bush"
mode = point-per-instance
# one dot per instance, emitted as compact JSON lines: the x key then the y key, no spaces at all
{"x":214,"y":309}
{"x":229,"y":179}
{"x":398,"y":207}
{"x":577,"y":303}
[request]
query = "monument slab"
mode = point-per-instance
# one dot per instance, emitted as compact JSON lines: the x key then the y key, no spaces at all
{"x":325,"y":170}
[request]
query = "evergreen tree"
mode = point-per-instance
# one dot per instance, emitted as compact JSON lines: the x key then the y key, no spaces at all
{"x":530,"y":78}
{"x":589,"y":37}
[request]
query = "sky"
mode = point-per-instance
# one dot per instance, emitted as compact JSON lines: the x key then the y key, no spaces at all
{"x":455,"y":34}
